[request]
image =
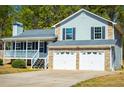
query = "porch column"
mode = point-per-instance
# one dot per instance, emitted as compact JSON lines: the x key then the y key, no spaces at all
{"x":38,"y":45}
{"x":12,"y":45}
{"x":26,"y":48}
{"x":15,"y":49}
{"x":4,"y":48}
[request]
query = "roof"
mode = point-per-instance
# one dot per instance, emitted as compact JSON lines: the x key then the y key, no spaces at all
{"x":35,"y":34}
{"x":82,"y":43}
{"x":81,"y":11}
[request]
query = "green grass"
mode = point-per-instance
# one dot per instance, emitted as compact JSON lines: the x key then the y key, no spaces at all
{"x":6,"y":69}
{"x":114,"y":80}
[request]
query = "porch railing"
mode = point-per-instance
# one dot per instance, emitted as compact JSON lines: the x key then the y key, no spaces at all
{"x":35,"y":57}
{"x":20,"y":53}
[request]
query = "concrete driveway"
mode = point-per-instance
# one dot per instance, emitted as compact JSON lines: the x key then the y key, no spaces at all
{"x":47,"y":78}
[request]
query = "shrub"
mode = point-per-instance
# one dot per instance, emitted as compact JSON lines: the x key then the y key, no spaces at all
{"x":19,"y":63}
{"x":1,"y":62}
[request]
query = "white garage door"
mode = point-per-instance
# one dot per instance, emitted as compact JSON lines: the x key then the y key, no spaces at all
{"x":64,"y":60}
{"x":90,"y":60}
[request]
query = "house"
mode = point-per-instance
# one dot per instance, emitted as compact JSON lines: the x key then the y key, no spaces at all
{"x":82,"y":41}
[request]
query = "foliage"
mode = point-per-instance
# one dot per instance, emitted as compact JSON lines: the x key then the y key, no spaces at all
{"x":1,"y":62}
{"x":34,"y":17}
{"x":19,"y":63}
{"x":7,"y":69}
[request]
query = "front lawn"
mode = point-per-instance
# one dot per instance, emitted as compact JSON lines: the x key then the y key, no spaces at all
{"x":115,"y":80}
{"x":6,"y":69}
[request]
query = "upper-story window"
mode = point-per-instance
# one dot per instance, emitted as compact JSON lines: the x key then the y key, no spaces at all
{"x":98,"y":32}
{"x":68,"y":33}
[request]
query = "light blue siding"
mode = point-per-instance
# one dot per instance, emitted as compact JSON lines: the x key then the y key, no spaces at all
{"x":83,"y":22}
{"x":118,"y":55}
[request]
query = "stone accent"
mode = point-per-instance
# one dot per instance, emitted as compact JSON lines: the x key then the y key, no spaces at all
{"x":1,"y":54}
{"x":6,"y":61}
{"x":57,"y":32}
{"x":106,"y":50}
{"x":110,"y":31}
{"x":77,"y":61}
{"x":50,"y":60}
{"x":107,"y":60}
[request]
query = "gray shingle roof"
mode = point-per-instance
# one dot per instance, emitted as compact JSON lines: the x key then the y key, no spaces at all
{"x":37,"y":33}
{"x":83,"y":42}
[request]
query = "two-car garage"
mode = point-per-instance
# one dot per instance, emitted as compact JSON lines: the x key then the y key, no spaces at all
{"x":85,"y":60}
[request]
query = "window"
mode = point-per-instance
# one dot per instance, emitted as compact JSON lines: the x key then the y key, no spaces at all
{"x":88,"y":52}
{"x":30,"y":47}
{"x":68,"y":33}
{"x":18,"y":46}
{"x":62,"y":52}
{"x":41,"y":47}
{"x":98,"y":33}
{"x":67,"y":52}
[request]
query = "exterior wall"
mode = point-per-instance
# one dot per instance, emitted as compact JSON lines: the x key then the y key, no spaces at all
{"x":83,"y":23}
{"x":118,"y":51}
{"x":50,"y":59}
{"x":107,"y":57}
{"x":5,"y":61}
{"x":110,"y":31}
{"x":57,"y":32}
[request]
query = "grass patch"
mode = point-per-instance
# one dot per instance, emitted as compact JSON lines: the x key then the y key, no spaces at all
{"x":6,"y":69}
{"x":115,"y":80}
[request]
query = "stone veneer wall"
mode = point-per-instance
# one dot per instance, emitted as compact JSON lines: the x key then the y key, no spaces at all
{"x":110,"y":31}
{"x":1,"y":54}
{"x":50,"y":60}
{"x":57,"y":32}
{"x":107,"y":58}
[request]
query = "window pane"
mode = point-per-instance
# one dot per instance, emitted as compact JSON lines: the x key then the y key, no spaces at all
{"x":98,"y":33}
{"x":68,"y":36}
{"x":69,"y":33}
{"x":68,"y":30}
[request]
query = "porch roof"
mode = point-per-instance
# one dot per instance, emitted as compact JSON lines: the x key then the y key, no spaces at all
{"x":77,"y":43}
{"x":35,"y":34}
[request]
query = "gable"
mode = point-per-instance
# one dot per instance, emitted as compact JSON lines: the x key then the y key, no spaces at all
{"x":85,"y":17}
{"x":83,"y":22}
{"x":80,"y":11}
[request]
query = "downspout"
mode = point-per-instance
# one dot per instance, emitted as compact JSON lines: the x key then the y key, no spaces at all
{"x":111,"y":59}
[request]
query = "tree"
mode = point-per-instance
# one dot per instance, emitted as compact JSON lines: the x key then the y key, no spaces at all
{"x":5,"y":20}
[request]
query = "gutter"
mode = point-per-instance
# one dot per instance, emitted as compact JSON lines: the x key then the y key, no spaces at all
{"x":29,"y":38}
{"x":82,"y":46}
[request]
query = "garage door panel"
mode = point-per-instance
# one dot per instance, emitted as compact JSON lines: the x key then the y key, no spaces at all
{"x":91,"y":61}
{"x":64,"y":61}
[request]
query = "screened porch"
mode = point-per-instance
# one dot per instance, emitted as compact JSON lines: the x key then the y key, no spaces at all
{"x":25,"y":49}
